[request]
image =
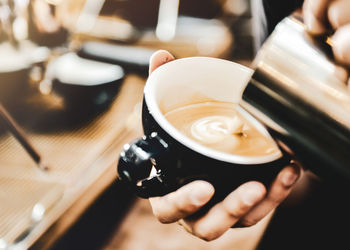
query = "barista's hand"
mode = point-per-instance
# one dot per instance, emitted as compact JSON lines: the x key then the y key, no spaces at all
{"x":245,"y":206}
{"x":322,"y":16}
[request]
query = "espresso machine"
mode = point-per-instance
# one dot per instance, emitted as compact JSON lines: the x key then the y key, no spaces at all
{"x":300,"y":93}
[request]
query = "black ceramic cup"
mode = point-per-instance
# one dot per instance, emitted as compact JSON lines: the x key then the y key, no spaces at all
{"x":165,"y":159}
{"x":82,"y":83}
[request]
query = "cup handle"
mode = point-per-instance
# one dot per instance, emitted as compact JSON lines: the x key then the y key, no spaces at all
{"x":136,"y":162}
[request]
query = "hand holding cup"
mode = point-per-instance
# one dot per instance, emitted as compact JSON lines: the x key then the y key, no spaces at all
{"x":244,"y":206}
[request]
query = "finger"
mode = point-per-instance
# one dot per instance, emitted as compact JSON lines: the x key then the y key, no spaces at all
{"x":223,"y":215}
{"x":183,"y":202}
{"x":315,"y":15}
{"x":341,"y":44}
{"x":278,"y":191}
{"x":341,"y":73}
{"x":159,"y":58}
{"x":338,"y":13}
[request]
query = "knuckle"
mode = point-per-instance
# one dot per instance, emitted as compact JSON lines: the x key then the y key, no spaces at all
{"x":236,"y":211}
{"x":180,"y":201}
{"x":184,"y":208}
{"x":180,"y":207}
{"x":208,"y":238}
{"x":156,"y":213}
{"x":163,"y":219}
{"x":158,"y":210}
{"x":204,"y":234}
{"x":248,"y":222}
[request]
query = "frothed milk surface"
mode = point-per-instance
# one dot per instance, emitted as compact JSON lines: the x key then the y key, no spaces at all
{"x":219,"y":126}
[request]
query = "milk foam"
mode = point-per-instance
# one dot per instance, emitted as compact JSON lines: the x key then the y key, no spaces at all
{"x":213,"y":129}
{"x":219,"y":126}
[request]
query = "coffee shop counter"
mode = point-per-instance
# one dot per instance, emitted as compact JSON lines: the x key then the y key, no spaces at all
{"x":37,"y":207}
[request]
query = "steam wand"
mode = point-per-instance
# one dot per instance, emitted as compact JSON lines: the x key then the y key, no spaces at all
{"x":19,"y":134}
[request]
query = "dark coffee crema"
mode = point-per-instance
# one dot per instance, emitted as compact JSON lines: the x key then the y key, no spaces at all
{"x":218,"y":125}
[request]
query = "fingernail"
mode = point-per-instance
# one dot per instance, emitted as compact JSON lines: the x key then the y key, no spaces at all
{"x":289,"y":178}
{"x":201,"y":193}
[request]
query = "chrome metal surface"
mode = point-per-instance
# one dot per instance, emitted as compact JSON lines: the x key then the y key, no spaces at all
{"x":300,"y":94}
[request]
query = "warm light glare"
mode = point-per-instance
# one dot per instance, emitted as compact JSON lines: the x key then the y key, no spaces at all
{"x":20,"y":28}
{"x":167,"y":19}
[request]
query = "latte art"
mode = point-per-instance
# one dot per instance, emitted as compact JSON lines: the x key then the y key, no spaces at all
{"x":213,"y":129}
{"x":219,"y":126}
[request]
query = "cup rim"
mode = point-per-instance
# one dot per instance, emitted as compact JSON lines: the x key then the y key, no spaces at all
{"x":191,"y":144}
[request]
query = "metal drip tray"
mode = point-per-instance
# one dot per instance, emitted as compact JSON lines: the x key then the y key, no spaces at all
{"x":23,"y":203}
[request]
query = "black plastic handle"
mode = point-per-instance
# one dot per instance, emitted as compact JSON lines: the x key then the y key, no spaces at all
{"x":136,"y":162}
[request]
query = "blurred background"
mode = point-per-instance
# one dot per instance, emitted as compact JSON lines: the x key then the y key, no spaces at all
{"x":71,"y":80}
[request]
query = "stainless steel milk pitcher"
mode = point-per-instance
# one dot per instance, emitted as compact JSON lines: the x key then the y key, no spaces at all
{"x":300,"y":94}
